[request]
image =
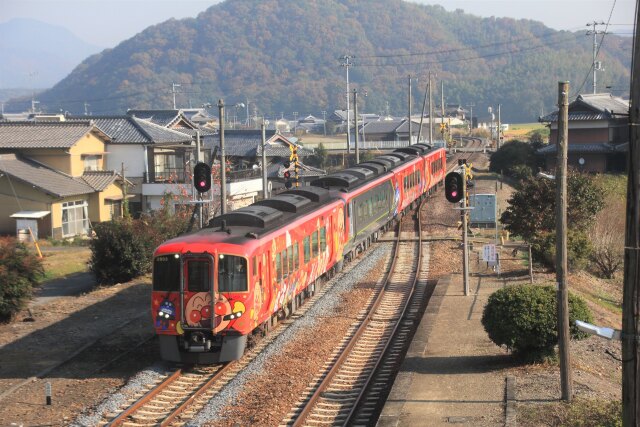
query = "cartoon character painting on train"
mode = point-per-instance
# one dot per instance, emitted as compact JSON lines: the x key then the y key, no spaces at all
{"x":166,"y":315}
{"x":228,"y":313}
{"x":198,"y":310}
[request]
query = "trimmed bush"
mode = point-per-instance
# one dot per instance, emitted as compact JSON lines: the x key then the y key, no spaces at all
{"x":19,"y":273}
{"x":523,"y":318}
{"x":119,"y":252}
{"x":123,"y":249}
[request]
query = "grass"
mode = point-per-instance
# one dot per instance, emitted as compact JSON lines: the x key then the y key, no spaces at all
{"x":71,"y":260}
{"x":581,"y":412}
{"x":604,"y":300}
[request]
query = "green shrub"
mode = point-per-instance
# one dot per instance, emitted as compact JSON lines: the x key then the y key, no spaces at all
{"x":19,"y":273}
{"x":123,"y":249}
{"x":523,"y":318}
{"x":579,"y":248}
{"x":119,"y":251}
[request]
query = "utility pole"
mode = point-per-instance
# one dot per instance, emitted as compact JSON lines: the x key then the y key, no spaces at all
{"x":561,"y":241}
{"x":295,"y":122}
{"x":173,"y":91}
{"x":410,"y":133}
{"x":223,"y":162}
{"x":595,"y":65}
{"x":355,"y":114}
{"x":324,"y":121}
{"x":199,"y":194}
{"x":442,"y":109}
{"x":631,"y":288}
{"x":499,"y":128}
{"x":125,"y":204}
{"x":424,"y":104}
{"x":430,"y":113}
{"x":347,"y":64}
{"x":265,"y":187}
{"x":471,"y":116}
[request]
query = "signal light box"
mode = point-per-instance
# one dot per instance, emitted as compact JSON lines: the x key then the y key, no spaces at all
{"x":453,"y":187}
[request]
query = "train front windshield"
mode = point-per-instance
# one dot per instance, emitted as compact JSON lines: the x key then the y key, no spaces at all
{"x":232,"y":273}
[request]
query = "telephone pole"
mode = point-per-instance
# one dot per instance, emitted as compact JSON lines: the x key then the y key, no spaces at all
{"x":430,"y":113}
{"x":561,"y":241}
{"x":223,"y":161}
{"x":595,"y":65}
{"x":173,"y":91}
{"x":347,"y":64}
{"x":409,"y":109}
{"x":631,"y":288}
{"x":355,"y":116}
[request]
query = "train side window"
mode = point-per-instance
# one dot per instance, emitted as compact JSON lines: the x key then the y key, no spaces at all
{"x":323,"y":239}
{"x":296,"y":255}
{"x":254,"y":266}
{"x":285,"y":264}
{"x":307,"y":249}
{"x":278,"y":267}
{"x":290,"y":254}
{"x":314,"y":244}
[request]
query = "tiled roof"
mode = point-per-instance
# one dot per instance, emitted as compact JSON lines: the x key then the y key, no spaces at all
{"x":159,"y":134}
{"x":248,"y":143}
{"x":597,"y":106}
{"x":164,"y":118}
{"x":598,"y":148}
{"x":40,"y":176}
{"x":130,"y":130}
{"x":43,"y":134}
{"x":99,"y":180}
{"x":383,"y":126}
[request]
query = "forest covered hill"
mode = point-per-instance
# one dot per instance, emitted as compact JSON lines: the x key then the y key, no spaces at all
{"x":285,"y":55}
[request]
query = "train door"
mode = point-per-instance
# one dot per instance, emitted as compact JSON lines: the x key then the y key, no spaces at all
{"x":263,"y":282}
{"x":198,"y":293}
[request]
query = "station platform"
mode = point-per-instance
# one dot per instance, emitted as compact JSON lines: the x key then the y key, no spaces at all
{"x":452,"y":373}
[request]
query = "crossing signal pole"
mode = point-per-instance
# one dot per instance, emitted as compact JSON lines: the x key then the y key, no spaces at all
{"x":455,"y":191}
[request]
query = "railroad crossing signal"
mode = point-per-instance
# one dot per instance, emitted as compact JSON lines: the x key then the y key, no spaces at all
{"x":202,"y":177}
{"x":453,"y":187}
{"x":296,"y":165}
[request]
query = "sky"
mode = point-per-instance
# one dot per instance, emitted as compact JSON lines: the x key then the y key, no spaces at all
{"x":105,"y":23}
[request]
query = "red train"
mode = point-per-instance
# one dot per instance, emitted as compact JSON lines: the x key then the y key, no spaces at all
{"x":214,"y":287}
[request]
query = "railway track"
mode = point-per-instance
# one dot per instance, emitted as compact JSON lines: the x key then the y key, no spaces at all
{"x":180,"y":393}
{"x":350,"y":387}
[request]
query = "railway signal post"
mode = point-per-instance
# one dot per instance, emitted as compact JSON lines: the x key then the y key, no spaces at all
{"x":455,"y":192}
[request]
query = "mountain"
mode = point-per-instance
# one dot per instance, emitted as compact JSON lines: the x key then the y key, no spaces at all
{"x":284,"y":56}
{"x":38,"y":55}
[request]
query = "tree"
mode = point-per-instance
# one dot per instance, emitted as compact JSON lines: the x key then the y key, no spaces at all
{"x":607,"y":238}
{"x":321,"y":156}
{"x":531,"y":215}
{"x":516,"y":159}
{"x":531,"y":209}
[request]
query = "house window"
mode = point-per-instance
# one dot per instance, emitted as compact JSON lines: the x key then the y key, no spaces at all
{"x":92,"y":163}
{"x":169,"y":166}
{"x":75,"y":218}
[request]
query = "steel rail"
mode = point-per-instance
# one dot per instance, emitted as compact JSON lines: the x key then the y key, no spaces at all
{"x":321,"y":388}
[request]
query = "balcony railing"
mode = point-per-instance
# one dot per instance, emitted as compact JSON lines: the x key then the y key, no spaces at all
{"x":244,"y":174}
{"x":167,"y":175}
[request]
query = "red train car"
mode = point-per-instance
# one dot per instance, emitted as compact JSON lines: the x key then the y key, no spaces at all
{"x":214,"y":287}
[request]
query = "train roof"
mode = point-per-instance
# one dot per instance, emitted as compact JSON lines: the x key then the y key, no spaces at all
{"x":348,"y":179}
{"x":265,"y":215}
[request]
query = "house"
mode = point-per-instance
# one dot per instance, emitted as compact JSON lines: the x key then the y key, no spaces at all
{"x":57,"y":169}
{"x":243,"y":151}
{"x":598,"y":128}
{"x":156,"y":159}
